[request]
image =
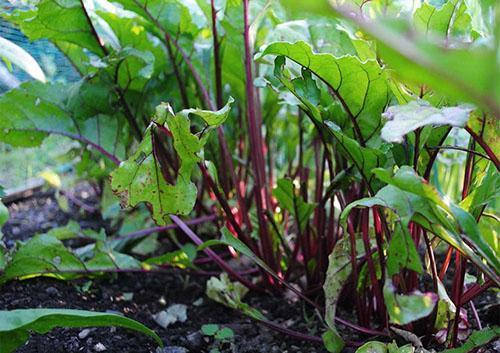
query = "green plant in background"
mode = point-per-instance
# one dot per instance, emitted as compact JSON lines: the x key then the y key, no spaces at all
{"x":355,"y":147}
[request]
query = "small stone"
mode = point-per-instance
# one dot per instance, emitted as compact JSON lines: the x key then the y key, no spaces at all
{"x":99,"y":347}
{"x":52,"y":291}
{"x":275,"y":349}
{"x":195,"y":341}
{"x":174,"y":313}
{"x":84,"y":333}
{"x":198,"y":302}
{"x":172,"y":349}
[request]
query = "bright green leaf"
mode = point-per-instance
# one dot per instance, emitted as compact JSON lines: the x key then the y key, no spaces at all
{"x":361,"y":87}
{"x":332,"y":341}
{"x":404,"y":309}
{"x":209,"y":329}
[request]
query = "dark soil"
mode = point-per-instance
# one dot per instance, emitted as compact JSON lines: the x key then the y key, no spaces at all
{"x":41,"y":212}
{"x":152,"y":293}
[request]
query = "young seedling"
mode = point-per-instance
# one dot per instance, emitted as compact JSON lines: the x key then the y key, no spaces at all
{"x":221,"y":335}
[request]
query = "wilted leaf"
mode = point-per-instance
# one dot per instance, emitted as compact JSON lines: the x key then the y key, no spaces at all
{"x":446,"y":308}
{"x":339,"y":270}
{"x":140,"y":178}
{"x":230,"y":294}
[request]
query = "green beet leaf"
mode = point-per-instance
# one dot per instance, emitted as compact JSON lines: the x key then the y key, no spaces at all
{"x":404,"y":309}
{"x":360,"y":87}
{"x":402,"y":253}
{"x":16,"y":325}
{"x":476,"y":340}
{"x":289,"y":200}
{"x":68,"y":23}
{"x":365,"y":159}
{"x":332,"y":341}
{"x":462,"y":74}
{"x":45,"y":255}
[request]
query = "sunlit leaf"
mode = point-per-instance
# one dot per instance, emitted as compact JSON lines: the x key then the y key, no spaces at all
{"x":63,"y":21}
{"x":403,"y":119}
{"x":404,"y":309}
{"x":463,"y":74}
{"x":140,"y":178}
{"x":361,"y":87}
{"x":21,"y":58}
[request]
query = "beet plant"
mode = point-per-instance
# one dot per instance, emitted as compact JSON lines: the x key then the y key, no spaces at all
{"x":348,"y":150}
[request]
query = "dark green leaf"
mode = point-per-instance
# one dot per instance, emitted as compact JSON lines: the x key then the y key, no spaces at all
{"x":289,"y":200}
{"x":16,"y":325}
{"x":402,"y":253}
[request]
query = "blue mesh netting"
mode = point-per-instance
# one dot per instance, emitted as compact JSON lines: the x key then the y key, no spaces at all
{"x":53,"y":62}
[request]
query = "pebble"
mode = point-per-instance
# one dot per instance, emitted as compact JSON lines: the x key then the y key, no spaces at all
{"x":172,"y":349}
{"x":195,"y":341}
{"x":84,"y":333}
{"x":99,"y":347}
{"x":174,"y":313}
{"x":275,"y":349}
{"x":51,"y":291}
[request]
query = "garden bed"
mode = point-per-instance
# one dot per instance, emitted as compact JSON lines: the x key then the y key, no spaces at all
{"x":151,"y":293}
